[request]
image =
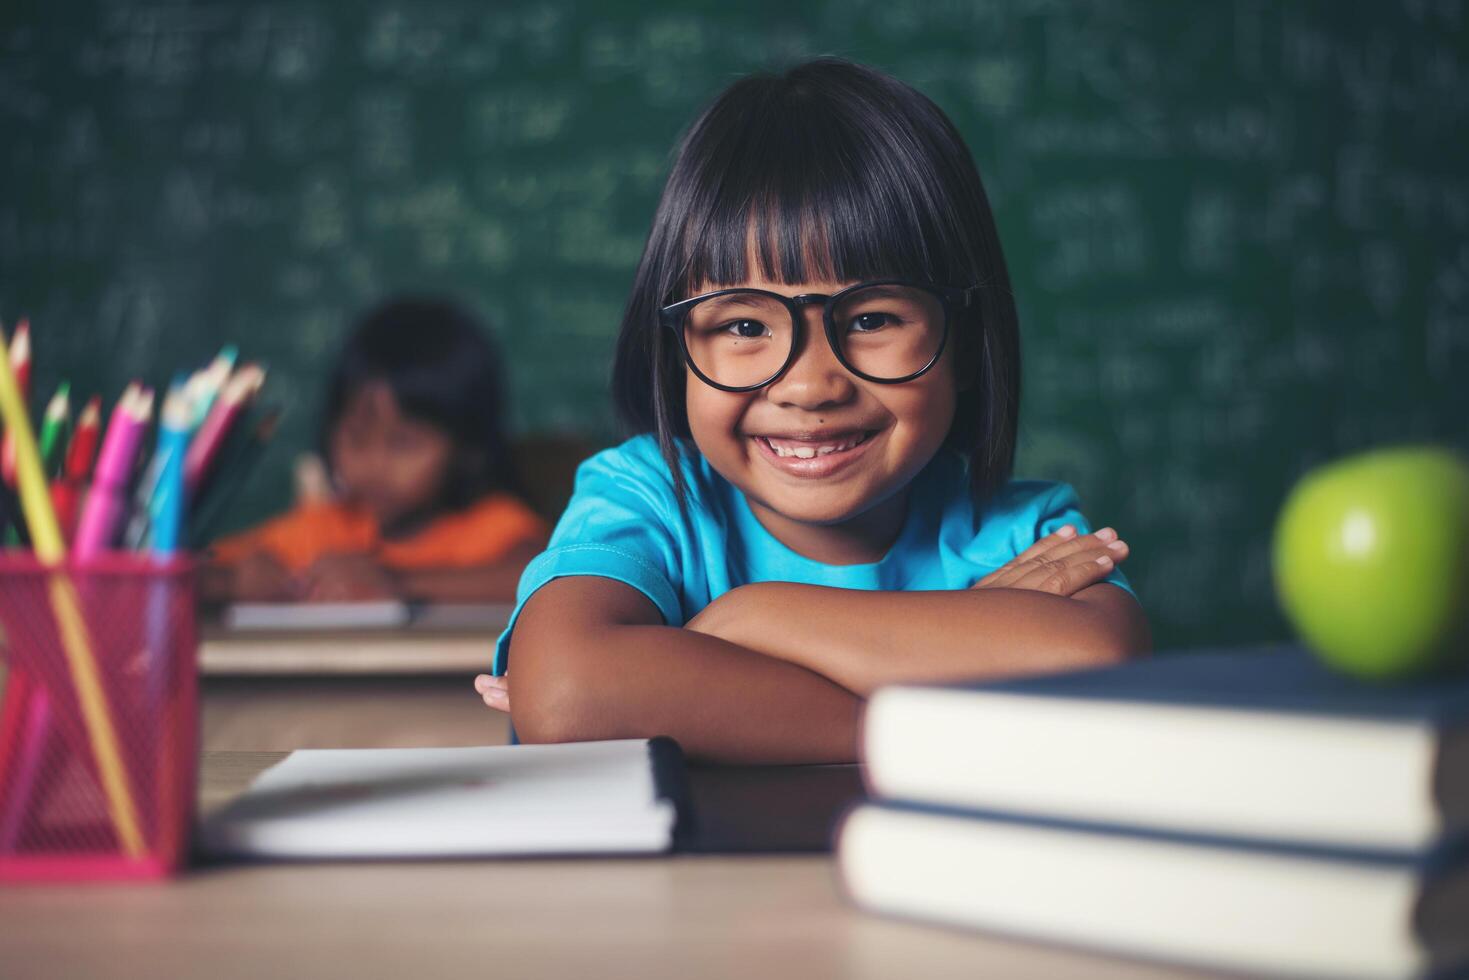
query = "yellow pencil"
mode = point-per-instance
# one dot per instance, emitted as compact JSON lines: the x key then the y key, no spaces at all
{"x":35,"y":501}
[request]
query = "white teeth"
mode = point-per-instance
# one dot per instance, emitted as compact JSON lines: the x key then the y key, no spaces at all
{"x":810,"y":452}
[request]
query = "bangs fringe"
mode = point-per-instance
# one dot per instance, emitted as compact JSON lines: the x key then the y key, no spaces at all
{"x":802,"y":193}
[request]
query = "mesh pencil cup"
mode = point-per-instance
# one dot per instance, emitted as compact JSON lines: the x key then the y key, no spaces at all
{"x":99,"y":720}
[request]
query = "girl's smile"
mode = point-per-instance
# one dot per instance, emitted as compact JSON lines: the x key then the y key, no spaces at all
{"x":823,"y":456}
{"x":814,"y":454}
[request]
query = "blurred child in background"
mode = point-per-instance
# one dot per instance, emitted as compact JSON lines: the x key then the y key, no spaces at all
{"x":421,"y":501}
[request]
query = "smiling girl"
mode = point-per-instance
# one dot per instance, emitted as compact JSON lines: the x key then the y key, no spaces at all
{"x":822,"y":354}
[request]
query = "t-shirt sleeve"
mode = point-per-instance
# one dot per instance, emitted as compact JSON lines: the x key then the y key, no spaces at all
{"x":618,"y":525}
{"x":1038,"y":508}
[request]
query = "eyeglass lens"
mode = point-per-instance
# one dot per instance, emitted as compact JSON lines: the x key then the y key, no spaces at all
{"x":883,"y":331}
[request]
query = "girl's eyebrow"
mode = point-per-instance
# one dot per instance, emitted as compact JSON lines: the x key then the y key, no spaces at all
{"x":732,"y":299}
{"x":883,"y":292}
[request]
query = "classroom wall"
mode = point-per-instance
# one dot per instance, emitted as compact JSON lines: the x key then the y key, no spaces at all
{"x":1237,"y":231}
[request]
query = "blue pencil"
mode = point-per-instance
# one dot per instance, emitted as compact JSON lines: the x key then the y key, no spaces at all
{"x":165,"y":594}
{"x":167,"y":505}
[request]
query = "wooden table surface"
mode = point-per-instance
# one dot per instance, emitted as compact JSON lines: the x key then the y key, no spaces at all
{"x":701,"y":917}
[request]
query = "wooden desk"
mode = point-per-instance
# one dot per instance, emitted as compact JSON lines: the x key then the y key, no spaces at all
{"x":418,"y":650}
{"x":257,"y":710}
{"x":679,"y":917}
{"x":280,"y":690}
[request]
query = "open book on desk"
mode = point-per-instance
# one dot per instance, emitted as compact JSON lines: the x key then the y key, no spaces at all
{"x":379,"y":615}
{"x":613,"y":797}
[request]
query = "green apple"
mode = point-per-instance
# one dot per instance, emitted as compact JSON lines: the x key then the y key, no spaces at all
{"x":1371,"y":558}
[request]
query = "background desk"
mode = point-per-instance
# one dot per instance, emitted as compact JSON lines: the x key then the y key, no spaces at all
{"x":681,"y":917}
{"x":276,"y":691}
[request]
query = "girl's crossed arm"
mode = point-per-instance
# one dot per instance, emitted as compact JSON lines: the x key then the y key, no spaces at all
{"x":863,"y":640}
{"x":593,"y":661}
{"x":767,"y":673}
{"x":1048,"y":609}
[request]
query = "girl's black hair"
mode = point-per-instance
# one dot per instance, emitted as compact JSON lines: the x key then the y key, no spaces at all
{"x":443,"y":370}
{"x":829,"y":170}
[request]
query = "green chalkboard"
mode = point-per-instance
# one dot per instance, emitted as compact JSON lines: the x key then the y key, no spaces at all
{"x":1238,"y":232}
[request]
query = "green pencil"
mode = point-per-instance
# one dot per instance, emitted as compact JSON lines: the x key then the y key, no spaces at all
{"x":53,"y":425}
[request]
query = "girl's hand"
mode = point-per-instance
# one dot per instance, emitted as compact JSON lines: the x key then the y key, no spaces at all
{"x":1060,"y":563}
{"x":347,"y":578}
{"x":494,"y":691}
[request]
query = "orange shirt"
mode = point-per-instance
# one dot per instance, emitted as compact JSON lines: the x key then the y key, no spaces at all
{"x":479,"y":534}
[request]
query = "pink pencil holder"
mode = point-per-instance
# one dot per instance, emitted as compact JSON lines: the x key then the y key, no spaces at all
{"x":137,"y":617}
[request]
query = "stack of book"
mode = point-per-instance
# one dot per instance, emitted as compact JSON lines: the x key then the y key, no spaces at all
{"x":1241,"y":809}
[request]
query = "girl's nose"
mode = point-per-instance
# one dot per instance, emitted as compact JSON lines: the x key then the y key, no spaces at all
{"x":815,"y":378}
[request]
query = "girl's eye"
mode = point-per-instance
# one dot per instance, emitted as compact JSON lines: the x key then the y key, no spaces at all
{"x":746,"y":329}
{"x":868,"y":322}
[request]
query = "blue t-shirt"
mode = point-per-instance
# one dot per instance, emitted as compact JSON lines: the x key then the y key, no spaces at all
{"x":623,"y":523}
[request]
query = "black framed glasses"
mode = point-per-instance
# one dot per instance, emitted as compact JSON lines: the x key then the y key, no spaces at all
{"x":889,"y":331}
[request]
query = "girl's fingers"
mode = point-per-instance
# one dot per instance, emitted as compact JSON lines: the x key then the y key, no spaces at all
{"x":1063,"y":534}
{"x":1064,"y":545}
{"x":1071,"y":573}
{"x":493,"y":691}
{"x":1015,"y":567}
{"x":1066,"y":579}
{"x":1087,"y":542}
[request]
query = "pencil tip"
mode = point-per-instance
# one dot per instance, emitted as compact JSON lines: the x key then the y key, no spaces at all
{"x":60,"y":402}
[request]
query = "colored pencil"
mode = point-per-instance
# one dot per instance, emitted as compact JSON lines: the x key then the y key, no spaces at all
{"x":211,"y":381}
{"x":165,"y":591}
{"x":241,"y":388}
{"x":20,"y":368}
{"x":53,"y":436}
{"x":105,"y":503}
{"x":167,"y":508}
{"x":77,"y":646}
{"x":30,"y":475}
{"x":53,"y":429}
{"x":82,"y":449}
{"x":201,"y":389}
{"x":20,"y":354}
{"x":224,"y":483}
{"x":77,"y":466}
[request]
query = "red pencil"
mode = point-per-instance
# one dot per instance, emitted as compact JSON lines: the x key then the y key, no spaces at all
{"x":80,"y":454}
{"x":20,"y":366}
{"x":204,"y":447}
{"x":82,"y":450}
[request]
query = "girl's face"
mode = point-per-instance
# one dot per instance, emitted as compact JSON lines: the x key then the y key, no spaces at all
{"x":385,"y":461}
{"x":841,"y":507}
